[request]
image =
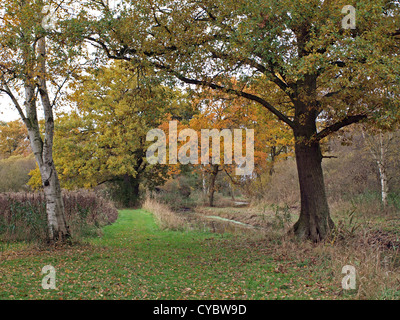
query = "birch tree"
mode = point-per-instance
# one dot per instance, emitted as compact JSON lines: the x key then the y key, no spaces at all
{"x":27,"y":80}
{"x":379,"y":145}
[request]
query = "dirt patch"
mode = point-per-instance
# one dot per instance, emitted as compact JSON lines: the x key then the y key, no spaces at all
{"x":244,"y":215}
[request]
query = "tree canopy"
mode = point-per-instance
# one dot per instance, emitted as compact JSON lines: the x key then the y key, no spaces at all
{"x":104,"y":138}
{"x":331,"y":75}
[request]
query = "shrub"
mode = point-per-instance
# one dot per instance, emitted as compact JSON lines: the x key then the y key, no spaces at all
{"x":176,"y":193}
{"x":23,"y":215}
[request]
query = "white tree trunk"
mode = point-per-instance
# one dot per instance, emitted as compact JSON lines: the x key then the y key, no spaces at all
{"x":382,"y":171}
{"x":379,"y":147}
{"x":384,"y":184}
{"x":34,"y":76}
{"x":205,"y":191}
{"x":58,"y":229}
{"x":43,"y":150}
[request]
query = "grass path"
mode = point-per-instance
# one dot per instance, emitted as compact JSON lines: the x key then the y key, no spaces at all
{"x":136,"y":260}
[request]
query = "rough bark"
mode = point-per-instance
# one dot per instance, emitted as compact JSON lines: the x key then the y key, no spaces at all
{"x":58,"y":228}
{"x":232,"y":191}
{"x":314,"y":222}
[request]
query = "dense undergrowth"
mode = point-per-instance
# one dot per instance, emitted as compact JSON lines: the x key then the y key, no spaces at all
{"x":23,"y":215}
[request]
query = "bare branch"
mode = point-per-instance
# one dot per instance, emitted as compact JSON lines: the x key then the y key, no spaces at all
{"x":8,"y":91}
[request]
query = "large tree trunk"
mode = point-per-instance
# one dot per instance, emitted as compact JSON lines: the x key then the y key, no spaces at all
{"x":130,"y":190}
{"x":58,"y":230}
{"x":314,"y":222}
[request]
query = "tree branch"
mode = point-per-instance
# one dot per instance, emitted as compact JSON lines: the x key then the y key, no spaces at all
{"x":239,"y":93}
{"x":338,"y":125}
{"x":230,"y":177}
{"x":7,"y":90}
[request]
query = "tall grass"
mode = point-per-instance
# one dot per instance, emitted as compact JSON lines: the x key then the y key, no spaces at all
{"x":377,"y":270}
{"x":23,"y":215}
{"x":166,"y":218}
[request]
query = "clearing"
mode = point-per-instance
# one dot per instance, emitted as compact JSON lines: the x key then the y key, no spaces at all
{"x":135,"y":259}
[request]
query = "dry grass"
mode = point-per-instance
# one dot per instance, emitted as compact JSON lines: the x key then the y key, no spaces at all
{"x":374,"y":254}
{"x":370,"y":244}
{"x":377,"y":268}
{"x":166,"y":218}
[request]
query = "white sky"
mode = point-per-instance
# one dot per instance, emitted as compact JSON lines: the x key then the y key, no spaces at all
{"x":7,"y":109}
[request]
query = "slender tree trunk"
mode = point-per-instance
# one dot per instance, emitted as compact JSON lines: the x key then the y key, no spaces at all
{"x":382,"y":170}
{"x":213,"y":178}
{"x":379,"y":147}
{"x":272,"y":165}
{"x":384,"y":184}
{"x":135,"y":191}
{"x":58,"y":230}
{"x":232,"y":191}
{"x":204,"y":182}
{"x":57,"y":226}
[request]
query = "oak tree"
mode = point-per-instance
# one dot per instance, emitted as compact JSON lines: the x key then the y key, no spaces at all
{"x":334,"y":76}
{"x":103,"y":139}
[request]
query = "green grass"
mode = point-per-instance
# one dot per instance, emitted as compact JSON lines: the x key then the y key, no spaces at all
{"x":134,"y":259}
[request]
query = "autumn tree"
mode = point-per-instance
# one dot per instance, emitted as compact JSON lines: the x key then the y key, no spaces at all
{"x":333,"y":75}
{"x":14,"y":173}
{"x":103,"y":140}
{"x":217,"y":112}
{"x":13,"y":139}
{"x":274,"y":139}
{"x":220,"y":111}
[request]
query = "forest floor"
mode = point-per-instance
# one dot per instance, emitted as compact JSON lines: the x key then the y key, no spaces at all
{"x":135,"y":259}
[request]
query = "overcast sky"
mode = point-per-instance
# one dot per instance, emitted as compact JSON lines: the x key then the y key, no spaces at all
{"x":7,"y":109}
